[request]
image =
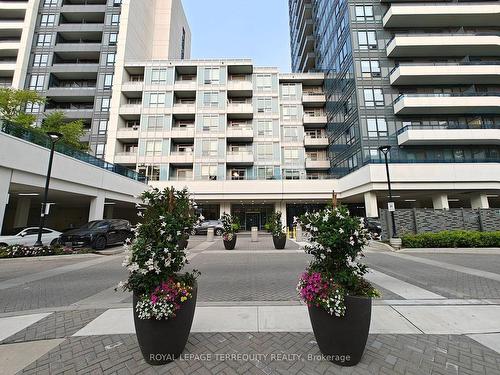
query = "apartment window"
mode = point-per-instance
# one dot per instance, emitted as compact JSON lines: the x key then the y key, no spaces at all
{"x":159,"y":75}
{"x":50,"y":3}
{"x":265,"y":128}
{"x":185,"y":149}
{"x":364,"y":13}
{"x":209,"y":172}
{"x":238,"y":174}
{"x":110,"y":59}
{"x":113,"y":38}
{"x":40,"y":59}
{"x":210,"y":123}
{"x":155,"y":122}
{"x":373,"y":97}
{"x":264,"y":105}
{"x":157,"y":100}
{"x":105,"y":103}
{"x":212,"y":76}
{"x":108,"y":81}
{"x":154,"y":147}
{"x":377,"y":127}
{"x":115,"y":19}
{"x":44,"y":40}
{"x":370,"y":68}
{"x":373,"y":154}
{"x":152,"y":172}
{"x":209,"y":148}
{"x":37,"y":82}
{"x":183,"y":44}
{"x":99,"y":150}
{"x":289,"y":91}
{"x":211,"y":99}
{"x":47,"y":20}
{"x":264,"y":82}
{"x":290,"y":134}
{"x":290,"y":112}
{"x":291,"y":155}
{"x":32,"y":108}
{"x":117,"y":3}
{"x":265,"y":172}
{"x":103,"y":127}
{"x":367,"y":39}
{"x":264,"y":151}
{"x":291,"y":174}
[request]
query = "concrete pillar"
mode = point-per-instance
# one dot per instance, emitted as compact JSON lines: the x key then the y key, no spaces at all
{"x":22,"y":212}
{"x":281,"y":207}
{"x":371,"y":206}
{"x":255,"y":234}
{"x":440,"y":201}
{"x":96,"y":211}
{"x":5,"y":176}
{"x":479,"y":201}
{"x":225,"y":207}
{"x":210,"y":235}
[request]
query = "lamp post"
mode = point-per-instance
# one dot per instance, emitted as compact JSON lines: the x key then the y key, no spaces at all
{"x":54,"y":137}
{"x":391,"y":206}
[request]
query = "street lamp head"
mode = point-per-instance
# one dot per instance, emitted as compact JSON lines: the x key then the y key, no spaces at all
{"x":54,"y":136}
{"x":385,"y":149}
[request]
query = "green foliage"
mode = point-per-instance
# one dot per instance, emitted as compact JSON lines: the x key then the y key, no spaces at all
{"x":336,"y":242}
{"x":459,"y":238}
{"x":274,"y":224}
{"x":13,"y":105}
{"x":230,"y":224}
{"x":20,"y":251}
{"x":71,"y":131}
{"x":155,"y":255}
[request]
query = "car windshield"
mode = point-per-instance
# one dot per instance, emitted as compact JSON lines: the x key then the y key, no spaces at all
{"x":93,"y":224}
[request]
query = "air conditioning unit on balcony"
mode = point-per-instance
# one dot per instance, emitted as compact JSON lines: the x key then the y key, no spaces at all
{"x":135,"y":127}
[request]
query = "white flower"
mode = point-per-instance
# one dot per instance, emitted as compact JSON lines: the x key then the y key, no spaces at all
{"x":140,"y":214}
{"x":341,"y":231}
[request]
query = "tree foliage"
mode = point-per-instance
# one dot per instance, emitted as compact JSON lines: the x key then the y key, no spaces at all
{"x":13,"y":105}
{"x":71,"y":131}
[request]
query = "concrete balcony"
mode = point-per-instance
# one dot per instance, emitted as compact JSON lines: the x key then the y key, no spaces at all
{"x":9,"y":47}
{"x":442,"y":15}
{"x":316,"y":142}
{"x":181,"y":158}
{"x":443,"y":45}
{"x":81,"y":27}
{"x":75,"y":68}
{"x":315,"y":120}
{"x":125,"y":158}
{"x":240,"y":158}
{"x":432,"y":104}
{"x":317,"y":164}
{"x":240,"y":87}
{"x":77,"y":47}
{"x":435,"y":135}
{"x":185,"y":85}
{"x":6,"y":24}
{"x":240,"y":110}
{"x":7,"y":68}
{"x":73,"y":92}
{"x":127,"y":134}
{"x":240,"y":134}
{"x":130,"y":109}
{"x":182,"y":133}
{"x":184,"y":108}
{"x":132,"y":87}
{"x":446,"y":74}
{"x":74,"y":114}
{"x":314,"y":99}
{"x":309,"y":62}
{"x":13,"y":5}
{"x":83,"y":8}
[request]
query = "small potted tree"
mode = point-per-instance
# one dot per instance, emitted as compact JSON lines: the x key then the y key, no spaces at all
{"x":277,"y":229}
{"x":333,"y":287}
{"x":231,"y":226}
{"x":164,"y":299}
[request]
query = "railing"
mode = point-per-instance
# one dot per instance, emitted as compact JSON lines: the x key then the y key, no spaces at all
{"x":451,"y":94}
{"x":39,"y":138}
{"x":427,"y":63}
{"x":449,"y":126}
{"x":435,"y":161}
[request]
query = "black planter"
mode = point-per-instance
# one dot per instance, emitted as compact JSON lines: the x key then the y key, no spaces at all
{"x":229,"y":245}
{"x":182,"y":243}
{"x":162,"y":341}
{"x":343,"y":340}
{"x":279,"y":241}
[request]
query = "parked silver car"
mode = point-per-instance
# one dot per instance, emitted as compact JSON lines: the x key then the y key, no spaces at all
{"x":202,"y":228}
{"x":28,"y":237}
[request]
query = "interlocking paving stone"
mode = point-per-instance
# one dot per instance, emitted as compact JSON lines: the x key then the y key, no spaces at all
{"x":271,"y":353}
{"x":483,"y":262}
{"x":57,"y":325}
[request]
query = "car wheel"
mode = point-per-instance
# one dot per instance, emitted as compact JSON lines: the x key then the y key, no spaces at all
{"x":3,"y":244}
{"x":54,"y":242}
{"x":218,"y":232}
{"x":99,"y":243}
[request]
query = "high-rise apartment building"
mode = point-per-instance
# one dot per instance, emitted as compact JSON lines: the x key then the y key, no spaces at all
{"x":421,"y":76}
{"x":69,"y":50}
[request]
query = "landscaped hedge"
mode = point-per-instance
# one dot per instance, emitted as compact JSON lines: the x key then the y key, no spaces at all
{"x":459,"y":238}
{"x":19,"y":251}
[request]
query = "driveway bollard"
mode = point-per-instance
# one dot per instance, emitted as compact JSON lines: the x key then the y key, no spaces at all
{"x":210,"y":235}
{"x":298,"y":235}
{"x":255,"y":234}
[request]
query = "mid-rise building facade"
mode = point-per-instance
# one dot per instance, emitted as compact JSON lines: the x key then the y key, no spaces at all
{"x":422,"y":77}
{"x":69,"y":50}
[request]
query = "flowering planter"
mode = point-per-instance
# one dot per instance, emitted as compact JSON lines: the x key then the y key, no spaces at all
{"x":279,"y":241}
{"x":342,"y":340}
{"x":162,"y":341}
{"x":229,"y":245}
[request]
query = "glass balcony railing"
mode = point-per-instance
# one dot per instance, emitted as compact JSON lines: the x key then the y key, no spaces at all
{"x":40,"y":139}
{"x":446,"y":126}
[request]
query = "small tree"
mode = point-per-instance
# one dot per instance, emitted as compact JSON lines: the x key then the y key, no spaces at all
{"x":274,"y":224}
{"x":13,"y":105}
{"x":231,"y":225}
{"x":72,"y":131}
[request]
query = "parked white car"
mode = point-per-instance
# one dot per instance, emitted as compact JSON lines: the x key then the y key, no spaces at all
{"x":28,"y":237}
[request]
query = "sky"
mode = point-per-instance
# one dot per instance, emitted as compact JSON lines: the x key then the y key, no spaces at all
{"x":256,"y":29}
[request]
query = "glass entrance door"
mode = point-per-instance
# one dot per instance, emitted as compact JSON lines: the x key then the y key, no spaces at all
{"x":252,"y":219}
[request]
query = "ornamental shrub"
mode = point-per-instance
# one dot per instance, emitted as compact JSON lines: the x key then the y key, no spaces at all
{"x":154,"y":259}
{"x":459,"y":238}
{"x":230,"y":225}
{"x":274,"y":224}
{"x":19,"y":251}
{"x":336,"y":242}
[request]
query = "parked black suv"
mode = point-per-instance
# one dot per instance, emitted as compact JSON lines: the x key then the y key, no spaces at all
{"x":202,"y":228}
{"x":373,"y":226}
{"x":98,"y":234}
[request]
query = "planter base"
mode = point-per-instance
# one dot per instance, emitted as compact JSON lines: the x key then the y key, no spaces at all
{"x":229,"y":245}
{"x":343,"y":340}
{"x":162,"y":341}
{"x":279,"y":242}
